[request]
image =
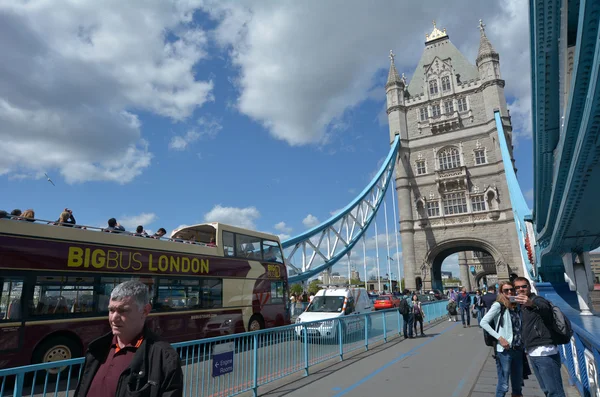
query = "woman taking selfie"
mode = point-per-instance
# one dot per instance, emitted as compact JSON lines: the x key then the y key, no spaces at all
{"x":503,"y":323}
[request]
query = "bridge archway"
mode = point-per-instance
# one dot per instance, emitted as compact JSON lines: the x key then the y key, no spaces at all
{"x":431,"y":268}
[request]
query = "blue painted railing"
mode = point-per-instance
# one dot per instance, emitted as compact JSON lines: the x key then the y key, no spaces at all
{"x":582,"y":355}
{"x":259,"y":357}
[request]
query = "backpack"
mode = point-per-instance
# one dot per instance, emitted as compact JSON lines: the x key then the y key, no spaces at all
{"x":403,"y":307}
{"x":561,"y":328}
{"x":489,"y":339}
{"x":451,"y":307}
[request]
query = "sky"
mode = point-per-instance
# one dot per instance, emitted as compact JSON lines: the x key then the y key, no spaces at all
{"x":265,"y":114}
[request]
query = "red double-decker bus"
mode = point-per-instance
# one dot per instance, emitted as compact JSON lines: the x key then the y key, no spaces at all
{"x":206,"y":280}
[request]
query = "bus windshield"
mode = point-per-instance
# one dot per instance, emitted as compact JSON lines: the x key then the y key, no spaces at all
{"x":328,"y":304}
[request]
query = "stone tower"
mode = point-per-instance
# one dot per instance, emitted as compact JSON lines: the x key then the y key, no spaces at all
{"x":451,"y":187}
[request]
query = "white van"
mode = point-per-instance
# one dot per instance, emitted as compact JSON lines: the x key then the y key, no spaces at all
{"x":334,"y":302}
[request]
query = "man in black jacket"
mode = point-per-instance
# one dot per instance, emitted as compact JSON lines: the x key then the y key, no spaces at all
{"x":489,"y":298}
{"x":537,"y":338}
{"x":130,"y":360}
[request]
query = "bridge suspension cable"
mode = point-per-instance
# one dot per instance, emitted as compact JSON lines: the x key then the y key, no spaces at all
{"x":321,"y":247}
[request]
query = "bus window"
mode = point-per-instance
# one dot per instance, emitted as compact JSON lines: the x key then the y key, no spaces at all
{"x":10,"y":299}
{"x":107,"y":284}
{"x":178,"y":294}
{"x":248,"y":247}
{"x":277,"y":292}
{"x":271,"y":251}
{"x":58,"y":295}
{"x":228,"y":244}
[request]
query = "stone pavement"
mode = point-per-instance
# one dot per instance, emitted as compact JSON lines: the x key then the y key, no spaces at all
{"x":450,"y":361}
{"x":485,"y":386}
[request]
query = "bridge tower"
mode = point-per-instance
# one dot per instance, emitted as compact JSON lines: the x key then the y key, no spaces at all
{"x":450,"y":181}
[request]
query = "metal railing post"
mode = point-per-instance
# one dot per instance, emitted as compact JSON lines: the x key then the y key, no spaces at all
{"x":384,"y":327}
{"x":341,"y":339}
{"x":305,"y":336}
{"x":18,"y":388}
{"x":367,"y":320}
{"x":255,"y":367}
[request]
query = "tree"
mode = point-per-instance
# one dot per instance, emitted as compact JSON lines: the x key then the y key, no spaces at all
{"x":314,"y":286}
{"x":296,"y":289}
{"x":356,"y":281}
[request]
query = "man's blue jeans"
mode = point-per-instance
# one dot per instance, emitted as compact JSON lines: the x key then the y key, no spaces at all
{"x":408,"y":324}
{"x":480,"y":314}
{"x":547,"y":372}
{"x":464,"y":311}
{"x":509,"y":364}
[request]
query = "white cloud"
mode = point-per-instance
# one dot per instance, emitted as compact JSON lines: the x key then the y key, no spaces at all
{"x":242,"y":217}
{"x":208,"y":128}
{"x":450,"y":264}
{"x":310,"y":221}
{"x":282,"y":227}
{"x":529,"y":194}
{"x":132,"y":221}
{"x":311,"y":57}
{"x":73,"y":74}
{"x":283,"y":236}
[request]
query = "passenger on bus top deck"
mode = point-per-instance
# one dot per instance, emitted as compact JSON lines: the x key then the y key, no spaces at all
{"x":15,"y":212}
{"x":212,"y":242}
{"x":28,"y":215}
{"x":66,"y":218}
{"x":159,"y":233}
{"x":114,"y":226}
{"x":139,"y":231}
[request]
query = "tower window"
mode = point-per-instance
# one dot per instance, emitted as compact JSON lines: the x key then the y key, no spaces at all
{"x":448,"y":107}
{"x":478,"y":203}
{"x":480,"y":156}
{"x":449,"y":158}
{"x":423,"y":114}
{"x":462,"y":104}
{"x":433,"y":208}
{"x":421,"y":169}
{"x":435,"y":110}
{"x":446,"y":83}
{"x":433,"y":87}
{"x":455,"y":203}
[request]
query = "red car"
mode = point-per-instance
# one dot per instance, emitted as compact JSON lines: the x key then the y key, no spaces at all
{"x":386,"y":302}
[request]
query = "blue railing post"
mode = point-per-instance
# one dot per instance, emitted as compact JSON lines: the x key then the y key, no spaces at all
{"x":255,"y":366}
{"x":384,"y":327}
{"x":341,"y":339}
{"x":18,"y":388}
{"x":305,"y":336}
{"x":367,"y":320}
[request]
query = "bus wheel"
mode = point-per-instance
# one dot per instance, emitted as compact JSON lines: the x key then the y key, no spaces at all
{"x":256,"y":323}
{"x":56,"y":349}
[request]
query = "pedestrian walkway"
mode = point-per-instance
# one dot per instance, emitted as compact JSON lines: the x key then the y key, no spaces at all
{"x":449,"y":361}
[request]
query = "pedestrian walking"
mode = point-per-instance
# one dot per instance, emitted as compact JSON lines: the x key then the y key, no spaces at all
{"x":479,"y":307}
{"x":131,"y":359}
{"x":293,"y":305}
{"x":542,"y":351}
{"x":452,"y":313}
{"x":418,"y":314}
{"x":490,"y":297}
{"x":464,"y":305}
{"x":509,"y":354}
{"x":405,"y":309}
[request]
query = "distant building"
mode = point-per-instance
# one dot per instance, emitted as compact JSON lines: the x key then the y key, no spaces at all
{"x":595,"y":264}
{"x":446,"y":275}
{"x":354,"y":275}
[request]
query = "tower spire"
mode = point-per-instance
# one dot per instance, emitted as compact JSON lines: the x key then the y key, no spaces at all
{"x":485,"y":47}
{"x":393,"y":77}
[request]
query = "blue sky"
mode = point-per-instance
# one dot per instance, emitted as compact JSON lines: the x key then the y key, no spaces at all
{"x":269,"y":115}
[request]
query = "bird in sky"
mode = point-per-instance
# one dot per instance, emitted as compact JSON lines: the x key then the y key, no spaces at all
{"x":49,"y":180}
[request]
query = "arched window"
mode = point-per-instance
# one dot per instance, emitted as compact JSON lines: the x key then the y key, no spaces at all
{"x":449,"y":158}
{"x":446,"y":83}
{"x":433,"y":87}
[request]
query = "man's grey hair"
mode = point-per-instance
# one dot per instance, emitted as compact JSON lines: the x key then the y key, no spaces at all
{"x":132,"y":289}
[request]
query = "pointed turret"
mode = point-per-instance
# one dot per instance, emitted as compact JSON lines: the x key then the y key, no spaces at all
{"x":488,"y":60}
{"x":393,"y":76}
{"x":486,"y":50}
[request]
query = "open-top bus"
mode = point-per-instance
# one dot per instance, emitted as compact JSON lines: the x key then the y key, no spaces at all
{"x":55,"y":284}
